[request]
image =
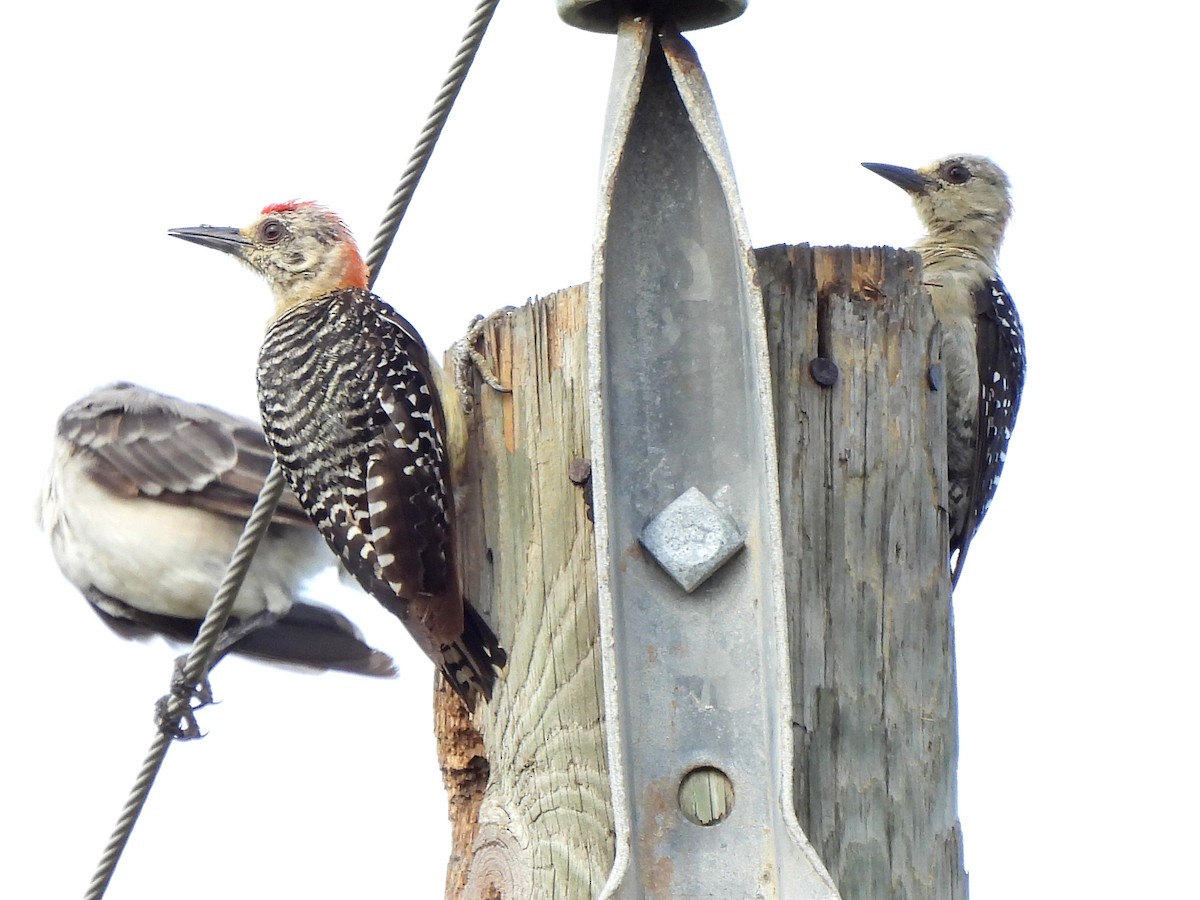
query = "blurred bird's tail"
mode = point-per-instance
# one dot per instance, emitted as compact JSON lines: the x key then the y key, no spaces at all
{"x":317,"y":638}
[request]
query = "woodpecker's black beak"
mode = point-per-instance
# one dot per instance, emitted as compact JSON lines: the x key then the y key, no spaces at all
{"x":219,"y":238}
{"x":909,"y":179}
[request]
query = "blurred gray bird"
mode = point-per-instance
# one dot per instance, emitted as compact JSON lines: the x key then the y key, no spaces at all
{"x":146,"y":498}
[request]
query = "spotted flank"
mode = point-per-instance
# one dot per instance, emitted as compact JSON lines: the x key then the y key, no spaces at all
{"x":350,"y":408}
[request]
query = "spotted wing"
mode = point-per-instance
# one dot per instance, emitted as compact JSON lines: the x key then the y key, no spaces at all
{"x":1000,"y":342}
{"x":408,"y":484}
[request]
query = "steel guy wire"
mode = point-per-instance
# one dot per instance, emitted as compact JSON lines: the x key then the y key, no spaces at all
{"x":199,"y":658}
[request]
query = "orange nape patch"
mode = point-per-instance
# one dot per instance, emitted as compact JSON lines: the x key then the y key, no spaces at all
{"x":356,"y":274}
{"x":286,"y":206}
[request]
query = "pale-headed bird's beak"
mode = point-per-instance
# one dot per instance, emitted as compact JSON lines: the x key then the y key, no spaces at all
{"x":909,"y":179}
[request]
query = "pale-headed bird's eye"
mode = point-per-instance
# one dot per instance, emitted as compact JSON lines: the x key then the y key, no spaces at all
{"x":957,"y":173}
{"x":271,"y":231}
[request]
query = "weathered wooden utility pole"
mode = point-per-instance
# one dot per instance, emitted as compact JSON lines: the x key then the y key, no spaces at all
{"x":871,"y":642}
{"x":788,"y":724}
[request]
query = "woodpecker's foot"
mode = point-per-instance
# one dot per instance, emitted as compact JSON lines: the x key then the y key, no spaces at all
{"x":467,"y":360}
{"x":175,"y":713}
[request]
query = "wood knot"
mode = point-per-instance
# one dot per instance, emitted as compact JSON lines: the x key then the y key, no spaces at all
{"x":499,"y":867}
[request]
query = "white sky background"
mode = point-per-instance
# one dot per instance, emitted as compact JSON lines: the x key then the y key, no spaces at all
{"x":1077,"y":616}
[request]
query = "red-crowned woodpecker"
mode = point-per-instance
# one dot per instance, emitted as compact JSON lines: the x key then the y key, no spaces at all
{"x":145,"y":500}
{"x":964,"y":204}
{"x":352,"y":404}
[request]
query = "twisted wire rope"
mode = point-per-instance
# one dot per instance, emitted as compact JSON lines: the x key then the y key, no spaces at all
{"x":434,"y":123}
{"x":199,"y":658}
{"x":195,"y":669}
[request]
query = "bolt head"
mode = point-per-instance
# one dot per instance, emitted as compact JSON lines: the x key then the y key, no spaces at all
{"x":692,"y":538}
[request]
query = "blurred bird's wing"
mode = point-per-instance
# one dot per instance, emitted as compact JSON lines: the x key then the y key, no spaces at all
{"x":140,"y":442}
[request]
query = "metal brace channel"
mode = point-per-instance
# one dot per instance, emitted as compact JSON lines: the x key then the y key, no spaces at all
{"x":696,"y":684}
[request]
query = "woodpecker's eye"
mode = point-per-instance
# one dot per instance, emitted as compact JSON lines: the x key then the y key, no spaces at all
{"x":957,"y":173}
{"x":271,"y":231}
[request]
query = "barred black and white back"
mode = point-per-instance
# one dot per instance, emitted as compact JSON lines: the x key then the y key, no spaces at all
{"x":1000,"y":349}
{"x":350,"y":406}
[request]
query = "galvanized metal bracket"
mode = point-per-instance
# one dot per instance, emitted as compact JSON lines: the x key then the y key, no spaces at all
{"x":605,"y":15}
{"x":697,"y":693}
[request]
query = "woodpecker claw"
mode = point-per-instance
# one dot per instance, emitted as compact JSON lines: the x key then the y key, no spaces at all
{"x":467,"y":359}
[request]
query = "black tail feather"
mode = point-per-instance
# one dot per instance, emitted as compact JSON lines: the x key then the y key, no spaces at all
{"x":470,"y":664}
